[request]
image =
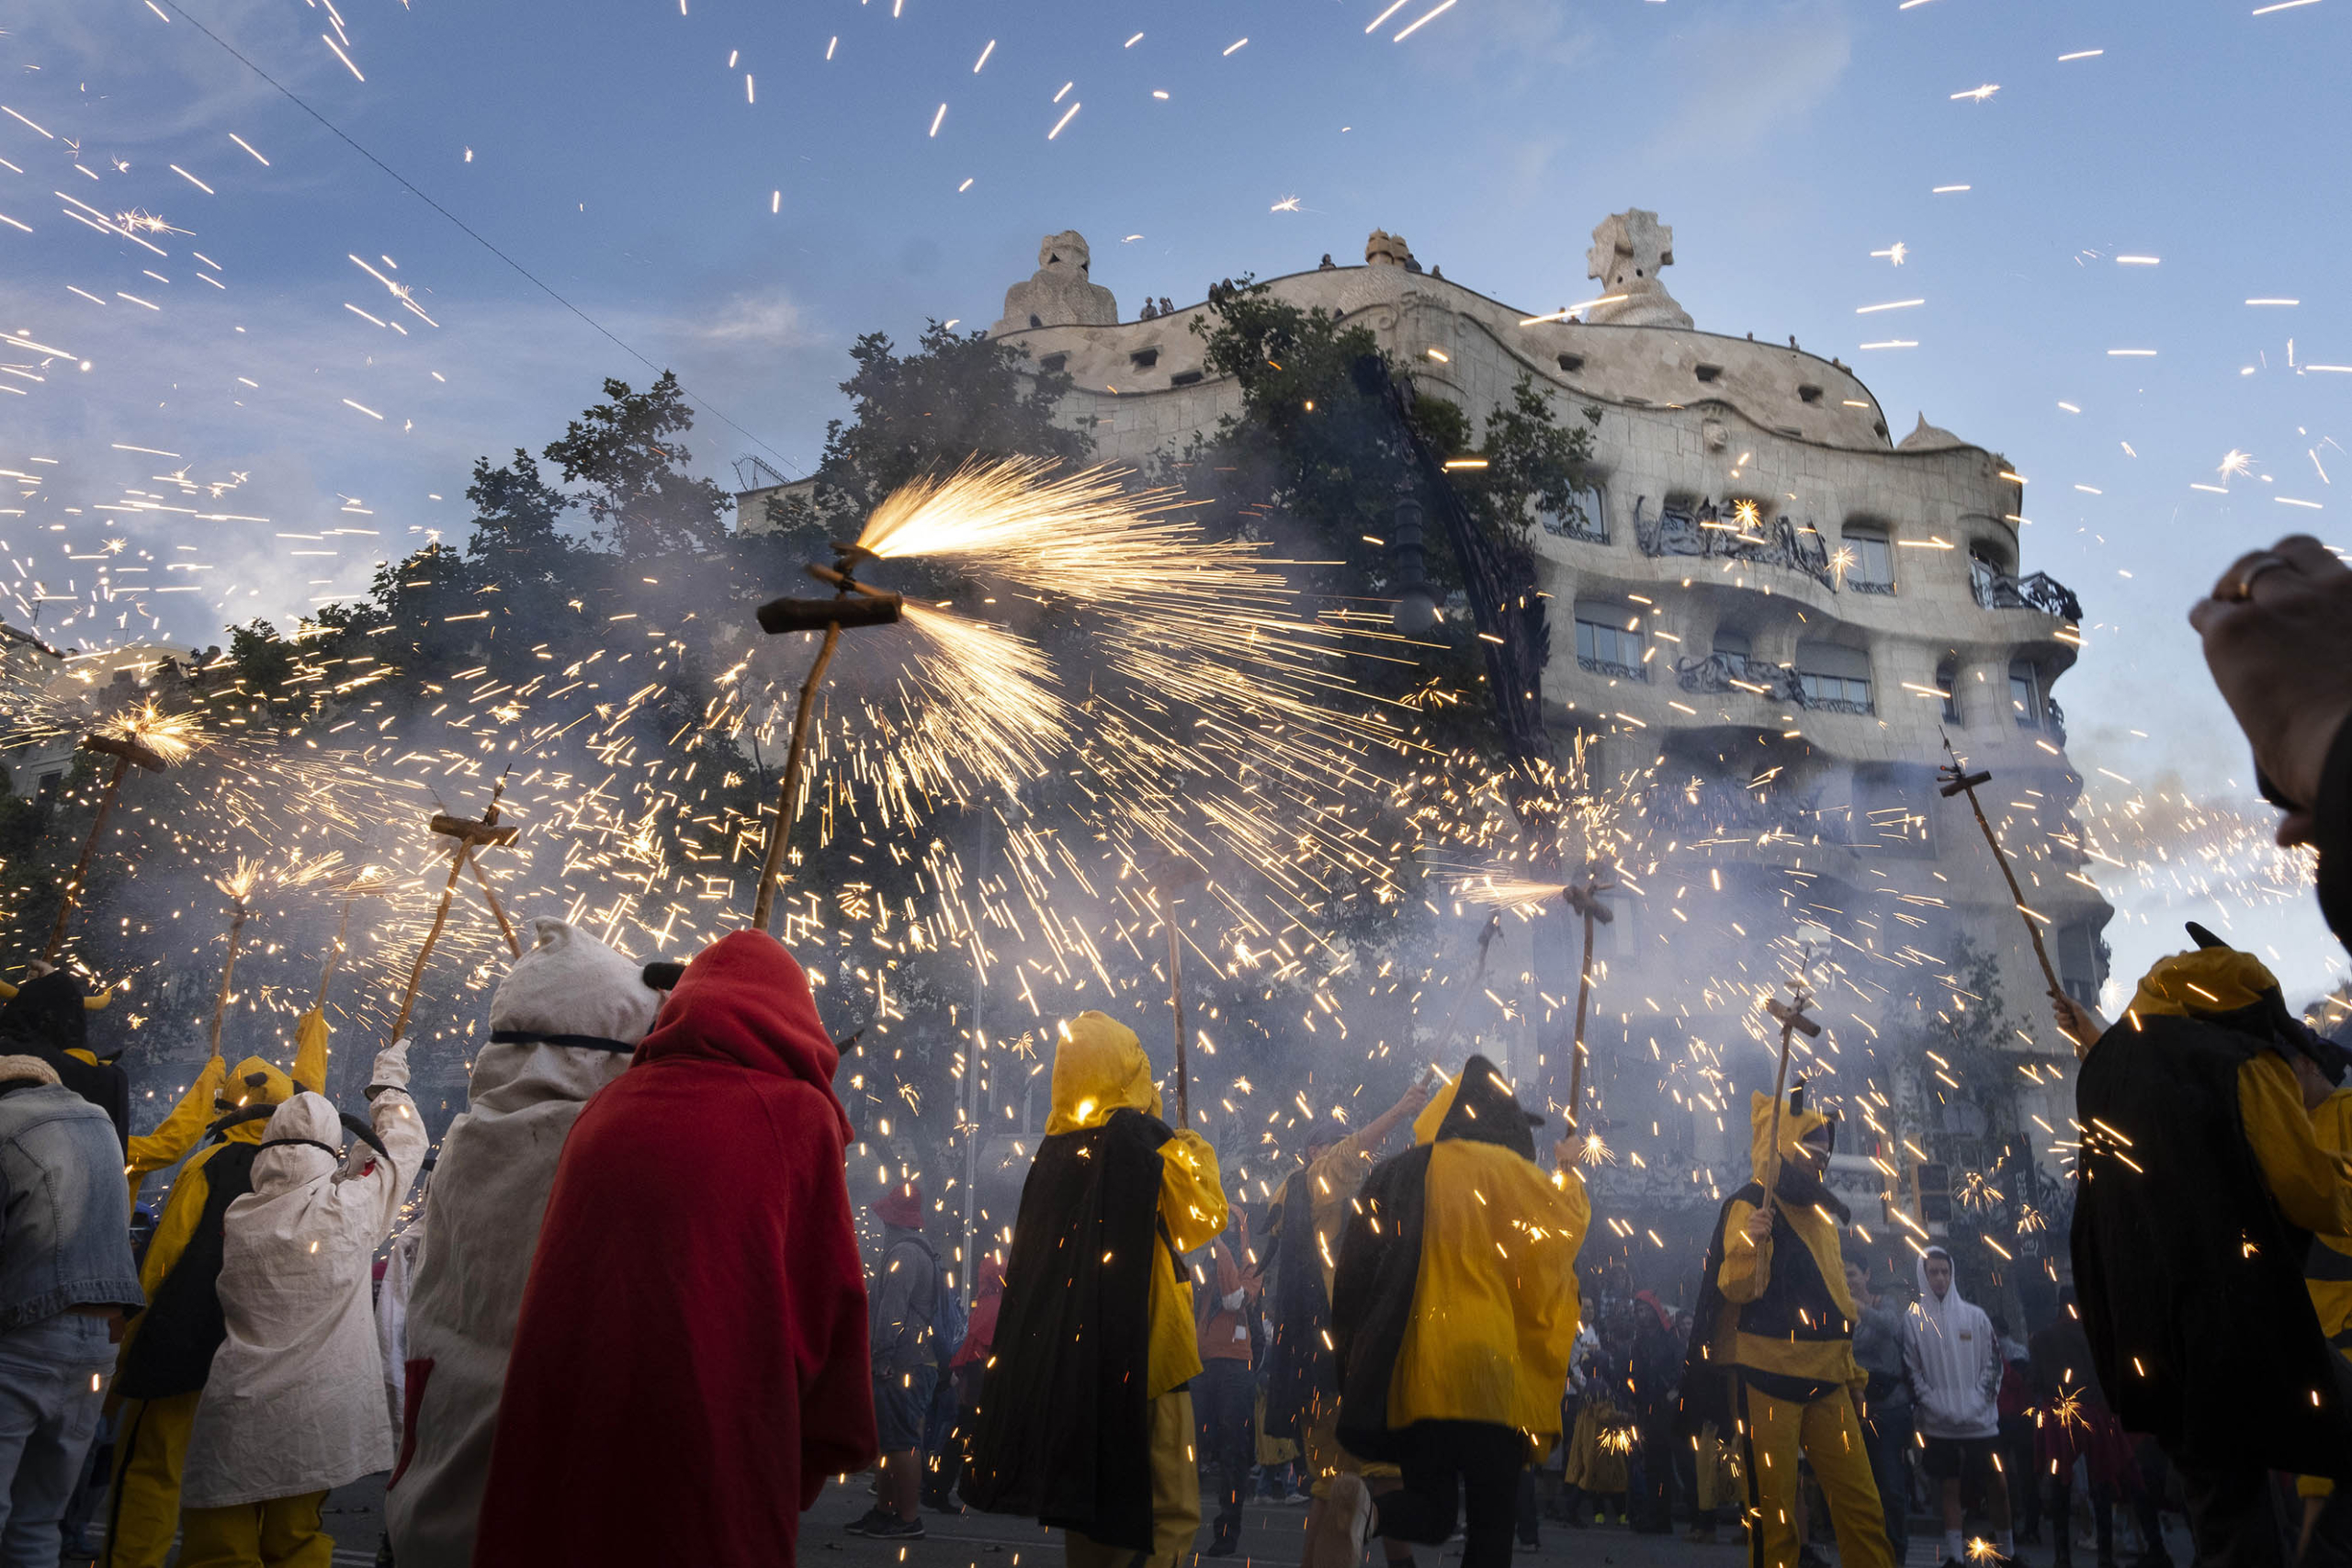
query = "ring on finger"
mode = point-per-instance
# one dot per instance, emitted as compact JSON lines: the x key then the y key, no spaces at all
{"x":2265,"y":561}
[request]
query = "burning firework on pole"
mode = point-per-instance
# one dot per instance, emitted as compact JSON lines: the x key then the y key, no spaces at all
{"x":146,"y":737}
{"x":853,"y":604}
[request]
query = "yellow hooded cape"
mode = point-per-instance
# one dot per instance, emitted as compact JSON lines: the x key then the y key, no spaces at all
{"x":1100,"y":1069}
{"x":1747,"y":1270}
{"x":1495,"y":1300}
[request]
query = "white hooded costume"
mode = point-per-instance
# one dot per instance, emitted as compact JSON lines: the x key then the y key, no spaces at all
{"x":1953,"y":1360}
{"x":295,"y":1400}
{"x":563,"y":1024}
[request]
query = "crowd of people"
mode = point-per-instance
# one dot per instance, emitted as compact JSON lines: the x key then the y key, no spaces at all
{"x":631,"y":1322}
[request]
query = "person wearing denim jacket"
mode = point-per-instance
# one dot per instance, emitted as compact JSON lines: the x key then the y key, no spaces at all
{"x":66,"y":1280}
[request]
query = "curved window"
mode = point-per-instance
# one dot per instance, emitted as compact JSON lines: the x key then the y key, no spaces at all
{"x":1948,"y":683}
{"x":2025,"y":693}
{"x":1834,"y":678}
{"x":1869,"y":562}
{"x":1733,"y":644}
{"x":1610,"y":640}
{"x":1587,"y":516}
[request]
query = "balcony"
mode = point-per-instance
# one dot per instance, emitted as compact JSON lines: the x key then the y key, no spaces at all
{"x":1997,"y":590}
{"x":1859,"y":585}
{"x":1737,"y":672}
{"x":1746,"y":536}
{"x":1614,"y":670}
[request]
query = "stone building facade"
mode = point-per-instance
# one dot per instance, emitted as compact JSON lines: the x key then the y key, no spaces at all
{"x":1774,"y":606}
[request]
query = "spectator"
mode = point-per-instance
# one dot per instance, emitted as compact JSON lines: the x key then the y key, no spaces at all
{"x":1225,"y":1396}
{"x":66,"y":1279}
{"x":1955,"y":1366}
{"x":968,"y":1367}
{"x":1887,"y":1403}
{"x":48,"y":1018}
{"x":1657,"y":1376}
{"x":906,"y":1304}
{"x":1309,"y":1217}
{"x":2073,"y":1424}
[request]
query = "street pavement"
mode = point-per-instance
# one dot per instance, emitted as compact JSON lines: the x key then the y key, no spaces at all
{"x":1271,"y":1535}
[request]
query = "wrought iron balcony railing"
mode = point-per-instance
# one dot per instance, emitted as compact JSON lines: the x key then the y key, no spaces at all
{"x":1706,"y":533}
{"x":1997,"y":590}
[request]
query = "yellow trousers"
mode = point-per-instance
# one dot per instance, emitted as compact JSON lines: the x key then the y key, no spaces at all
{"x":144,"y":1511}
{"x":281,"y":1533}
{"x":1826,"y":1432}
{"x":1175,"y":1497}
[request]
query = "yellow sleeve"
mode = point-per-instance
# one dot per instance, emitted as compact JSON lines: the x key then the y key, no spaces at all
{"x":1191,"y":1196}
{"x":2313,"y":1188}
{"x":180,"y":1128}
{"x":177,"y":1223}
{"x":1747,"y":1268}
{"x":310,"y":1051}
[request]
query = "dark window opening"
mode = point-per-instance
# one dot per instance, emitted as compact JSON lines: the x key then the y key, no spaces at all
{"x":1144,"y":358}
{"x":1809,"y":394}
{"x":1053,"y":362}
{"x":1572,"y":363}
{"x":1710,"y":373}
{"x":1183,"y":378}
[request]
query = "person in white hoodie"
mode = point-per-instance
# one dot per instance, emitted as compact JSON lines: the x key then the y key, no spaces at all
{"x":294,"y":1405}
{"x":1955,"y":1362}
{"x":562,"y":1025}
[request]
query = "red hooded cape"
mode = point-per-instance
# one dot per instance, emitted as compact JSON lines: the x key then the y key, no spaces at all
{"x":691,"y":1360}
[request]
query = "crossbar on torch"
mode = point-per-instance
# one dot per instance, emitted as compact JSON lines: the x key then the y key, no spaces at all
{"x":853,"y":606}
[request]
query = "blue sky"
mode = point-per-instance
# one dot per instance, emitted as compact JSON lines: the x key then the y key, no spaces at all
{"x":609,"y":147}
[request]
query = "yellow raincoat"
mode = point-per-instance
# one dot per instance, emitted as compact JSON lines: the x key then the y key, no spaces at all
{"x":144,"y":1513}
{"x":1097,"y":1069}
{"x":1495,"y":1298}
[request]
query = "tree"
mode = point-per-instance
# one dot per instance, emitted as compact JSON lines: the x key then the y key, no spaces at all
{"x":644,"y":503}
{"x":955,"y":397}
{"x":518,"y":541}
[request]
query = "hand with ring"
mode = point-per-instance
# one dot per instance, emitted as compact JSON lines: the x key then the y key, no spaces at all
{"x":2278,"y":634}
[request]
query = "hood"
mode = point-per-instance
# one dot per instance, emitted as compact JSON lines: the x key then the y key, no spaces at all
{"x":1649,"y":1299}
{"x":744,"y":1000}
{"x":301,"y":1141}
{"x":1952,"y":1300}
{"x":250,"y":1083}
{"x":1480,"y":1106}
{"x":1798,"y":1123}
{"x":48,"y":1011}
{"x":901,"y":1207}
{"x":2233,"y":990}
{"x":1098,"y":1068}
{"x":570,"y":988}
{"x":990,"y":1282}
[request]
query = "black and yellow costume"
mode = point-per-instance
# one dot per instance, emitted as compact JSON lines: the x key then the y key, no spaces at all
{"x":167,"y":1349}
{"x":1772,"y":1350}
{"x":2198,"y":1193}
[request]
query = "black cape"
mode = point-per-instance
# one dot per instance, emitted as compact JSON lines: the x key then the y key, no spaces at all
{"x":1380,"y":1259}
{"x":185,"y":1324}
{"x":1796,"y":1304}
{"x":45,"y":1019}
{"x":1063,"y":1433}
{"x":2189,"y":1279}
